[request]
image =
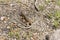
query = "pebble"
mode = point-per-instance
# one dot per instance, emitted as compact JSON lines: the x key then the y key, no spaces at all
{"x":4,"y":21}
{"x":2,"y":18}
{"x":8,"y":27}
{"x":11,"y":5}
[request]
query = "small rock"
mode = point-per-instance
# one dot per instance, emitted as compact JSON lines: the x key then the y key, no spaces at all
{"x":8,"y":27}
{"x":2,"y":18}
{"x":55,"y":35}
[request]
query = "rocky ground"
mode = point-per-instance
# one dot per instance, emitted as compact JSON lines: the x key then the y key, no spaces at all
{"x":29,"y":19}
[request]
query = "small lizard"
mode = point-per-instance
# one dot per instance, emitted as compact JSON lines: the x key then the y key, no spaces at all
{"x":27,"y":20}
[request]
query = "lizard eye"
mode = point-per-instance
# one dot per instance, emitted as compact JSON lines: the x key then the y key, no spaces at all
{"x":29,"y":23}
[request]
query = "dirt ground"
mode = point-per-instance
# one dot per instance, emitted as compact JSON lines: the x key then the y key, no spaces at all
{"x":28,"y":19}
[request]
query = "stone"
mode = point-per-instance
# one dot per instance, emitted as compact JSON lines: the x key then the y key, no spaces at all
{"x":55,"y":35}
